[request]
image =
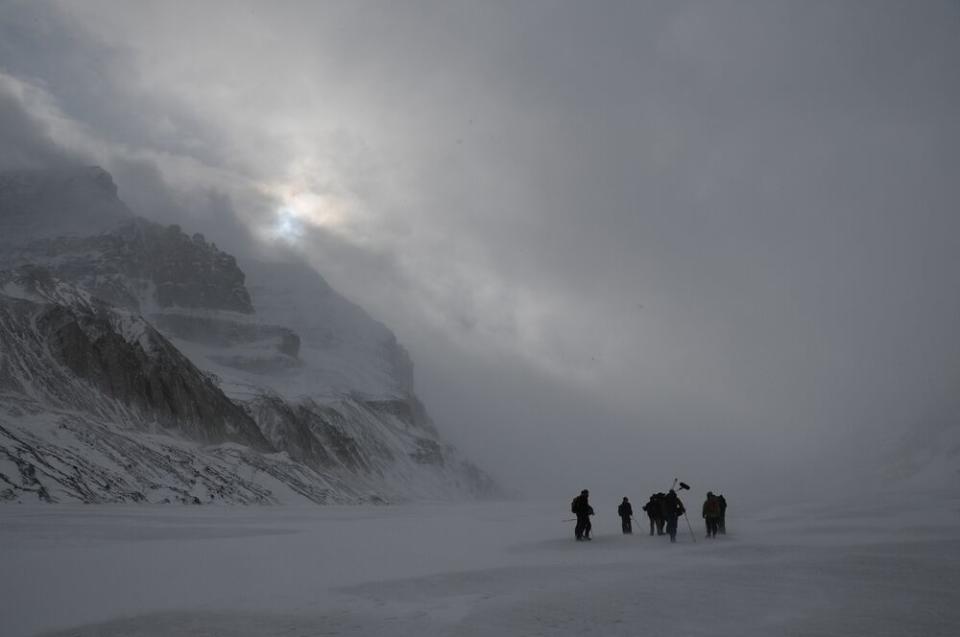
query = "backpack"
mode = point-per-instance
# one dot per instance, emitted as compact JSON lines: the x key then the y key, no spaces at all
{"x":573,"y":505}
{"x":713,"y":508}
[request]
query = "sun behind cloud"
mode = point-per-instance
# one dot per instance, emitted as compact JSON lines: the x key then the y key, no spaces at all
{"x":287,"y":225}
{"x":298,"y":209}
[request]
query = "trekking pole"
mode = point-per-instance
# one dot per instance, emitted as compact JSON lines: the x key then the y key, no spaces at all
{"x":569,"y":520}
{"x":690,"y":526}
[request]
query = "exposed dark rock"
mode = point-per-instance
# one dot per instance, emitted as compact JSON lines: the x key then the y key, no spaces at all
{"x":428,"y":452}
{"x":287,"y":428}
{"x":221,"y":332}
{"x":142,"y":261}
{"x":140,"y":370}
{"x":408,"y":410}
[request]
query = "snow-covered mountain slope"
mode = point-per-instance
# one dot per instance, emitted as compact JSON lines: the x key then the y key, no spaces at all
{"x":65,"y":349}
{"x":349,"y":351}
{"x":142,"y":330}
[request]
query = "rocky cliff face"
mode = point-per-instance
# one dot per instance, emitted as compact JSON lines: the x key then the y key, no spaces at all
{"x":158,"y":370}
{"x":140,"y":265}
{"x":67,"y":201}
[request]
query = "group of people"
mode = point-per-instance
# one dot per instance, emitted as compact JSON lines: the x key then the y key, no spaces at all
{"x":663,"y":510}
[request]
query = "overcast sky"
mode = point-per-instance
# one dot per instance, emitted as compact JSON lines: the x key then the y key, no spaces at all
{"x":621,"y":240}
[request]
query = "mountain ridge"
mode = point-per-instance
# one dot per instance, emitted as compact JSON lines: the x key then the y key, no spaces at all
{"x":159,"y":333}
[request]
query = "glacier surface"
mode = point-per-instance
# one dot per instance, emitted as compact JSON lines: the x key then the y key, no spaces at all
{"x":869,"y":566}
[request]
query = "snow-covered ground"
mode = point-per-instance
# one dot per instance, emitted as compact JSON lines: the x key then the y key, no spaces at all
{"x":871,"y":569}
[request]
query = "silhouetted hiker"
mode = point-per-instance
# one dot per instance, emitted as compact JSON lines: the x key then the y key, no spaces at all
{"x":581,"y":507}
{"x":625,"y":511}
{"x":723,"y":514}
{"x":672,"y":509}
{"x":711,"y":514}
{"x":652,"y":508}
{"x":660,"y":511}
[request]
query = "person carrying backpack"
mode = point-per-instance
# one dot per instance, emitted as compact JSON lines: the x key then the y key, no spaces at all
{"x":654,"y":510}
{"x":672,"y":510}
{"x":711,"y":514}
{"x":625,"y":511}
{"x":582,"y":509}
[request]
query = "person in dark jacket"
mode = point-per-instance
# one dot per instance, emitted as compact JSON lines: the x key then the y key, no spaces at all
{"x":723,"y":514}
{"x":661,"y":513}
{"x":654,"y":510}
{"x":711,"y":514}
{"x":672,"y":510}
{"x":582,"y":509}
{"x":625,"y":511}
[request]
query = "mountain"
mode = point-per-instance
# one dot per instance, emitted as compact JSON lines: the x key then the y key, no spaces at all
{"x":140,"y":363}
{"x":68,"y":201}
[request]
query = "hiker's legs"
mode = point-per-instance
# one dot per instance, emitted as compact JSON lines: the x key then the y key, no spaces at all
{"x":672,"y":528}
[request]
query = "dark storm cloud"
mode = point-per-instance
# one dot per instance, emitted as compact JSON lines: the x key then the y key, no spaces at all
{"x":97,"y":84}
{"x":23,"y":141}
{"x":698,"y":225}
{"x":92,"y":85}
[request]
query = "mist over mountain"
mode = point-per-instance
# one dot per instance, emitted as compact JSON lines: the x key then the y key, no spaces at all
{"x":140,"y":363}
{"x":657,"y":239}
{"x":693,"y":262}
{"x":58,"y":202}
